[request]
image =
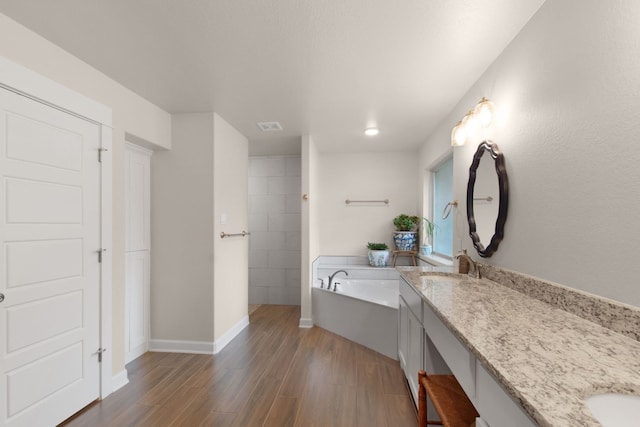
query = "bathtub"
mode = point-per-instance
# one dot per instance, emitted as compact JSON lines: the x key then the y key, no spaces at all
{"x":364,"y":311}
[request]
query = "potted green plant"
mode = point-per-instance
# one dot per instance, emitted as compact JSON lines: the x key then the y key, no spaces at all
{"x":406,"y":233}
{"x":378,"y":254}
{"x":428,"y":228}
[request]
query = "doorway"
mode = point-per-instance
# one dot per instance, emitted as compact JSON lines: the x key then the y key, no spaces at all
{"x":275,"y":224}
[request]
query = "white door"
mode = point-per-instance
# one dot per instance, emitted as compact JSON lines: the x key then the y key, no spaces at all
{"x":137,"y":304}
{"x":49,"y":270}
{"x":138,"y":230}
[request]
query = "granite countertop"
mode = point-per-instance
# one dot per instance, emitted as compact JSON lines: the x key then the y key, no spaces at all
{"x":548,"y":359}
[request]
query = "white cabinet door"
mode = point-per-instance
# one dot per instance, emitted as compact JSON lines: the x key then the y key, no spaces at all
{"x":403,"y":331}
{"x":495,"y":405}
{"x":138,"y":198}
{"x":49,"y":270}
{"x":137,"y":309}
{"x":138,"y":244}
{"x":410,"y":336}
{"x":414,"y":356}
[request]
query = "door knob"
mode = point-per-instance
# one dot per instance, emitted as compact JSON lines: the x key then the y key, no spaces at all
{"x":1,"y":297}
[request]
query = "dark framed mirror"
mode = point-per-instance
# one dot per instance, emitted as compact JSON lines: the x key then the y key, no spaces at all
{"x":487,"y":198}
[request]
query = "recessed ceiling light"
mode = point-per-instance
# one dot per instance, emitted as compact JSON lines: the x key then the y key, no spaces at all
{"x":371,"y":131}
{"x":269,"y":126}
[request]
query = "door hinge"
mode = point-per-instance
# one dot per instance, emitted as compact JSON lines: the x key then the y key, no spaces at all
{"x":100,"y":251}
{"x":100,"y":150}
{"x":99,"y":352}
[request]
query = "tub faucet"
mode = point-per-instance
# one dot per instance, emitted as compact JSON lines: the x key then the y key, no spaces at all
{"x":474,"y":270}
{"x":331,"y":279}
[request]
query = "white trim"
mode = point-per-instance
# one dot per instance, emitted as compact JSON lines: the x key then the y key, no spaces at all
{"x":22,"y":80}
{"x":305,"y":323}
{"x":141,"y":142}
{"x":138,"y":149}
{"x":177,"y":346}
{"x":119,"y":380}
{"x":221,"y":343}
{"x":106,"y":268}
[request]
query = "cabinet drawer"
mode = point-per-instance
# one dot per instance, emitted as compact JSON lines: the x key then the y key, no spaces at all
{"x":414,"y":301}
{"x":496,"y":405}
{"x":460,"y":360}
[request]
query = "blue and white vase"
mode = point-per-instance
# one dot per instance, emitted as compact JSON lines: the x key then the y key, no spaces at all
{"x":378,"y":258}
{"x":405,"y":240}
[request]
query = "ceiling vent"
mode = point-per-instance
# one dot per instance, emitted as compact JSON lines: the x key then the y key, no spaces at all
{"x":269,"y":126}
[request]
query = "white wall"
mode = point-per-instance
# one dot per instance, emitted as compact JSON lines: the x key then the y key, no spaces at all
{"x":199,"y":280}
{"x":182,"y":230}
{"x":231,"y":255}
{"x":274,"y":221}
{"x":346,"y":229}
{"x":131,"y":114}
{"x":568,"y":94}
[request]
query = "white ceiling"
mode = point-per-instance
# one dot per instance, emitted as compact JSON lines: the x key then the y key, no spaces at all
{"x":328,"y":68}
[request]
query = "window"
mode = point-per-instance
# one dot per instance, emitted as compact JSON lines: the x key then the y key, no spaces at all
{"x":442,"y":194}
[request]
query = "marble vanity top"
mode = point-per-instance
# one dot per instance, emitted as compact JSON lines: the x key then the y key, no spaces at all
{"x":548,"y":359}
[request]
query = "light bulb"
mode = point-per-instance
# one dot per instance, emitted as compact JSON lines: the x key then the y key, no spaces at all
{"x":371,"y":131}
{"x":458,"y":135}
{"x":470,"y":123}
{"x":484,"y":112}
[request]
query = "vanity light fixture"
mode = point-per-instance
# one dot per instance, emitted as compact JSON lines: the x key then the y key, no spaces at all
{"x":481,"y":116}
{"x":371,"y":131}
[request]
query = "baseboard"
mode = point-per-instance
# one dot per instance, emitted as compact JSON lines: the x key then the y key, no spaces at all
{"x":305,"y":323}
{"x":177,"y":346}
{"x":119,"y":380}
{"x":199,"y":347}
{"x":136,"y":352}
{"x":221,"y":343}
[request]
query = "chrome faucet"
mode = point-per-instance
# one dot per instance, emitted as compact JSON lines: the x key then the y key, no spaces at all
{"x":331,"y":279}
{"x":474,"y":270}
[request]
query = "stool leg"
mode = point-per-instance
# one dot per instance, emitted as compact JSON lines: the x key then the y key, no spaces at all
{"x":423,"y":419}
{"x":422,"y":400}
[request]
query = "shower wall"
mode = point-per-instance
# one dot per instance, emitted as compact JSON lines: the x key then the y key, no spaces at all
{"x":274,"y":222}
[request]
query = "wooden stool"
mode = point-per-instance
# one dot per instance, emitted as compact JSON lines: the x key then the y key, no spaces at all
{"x":396,"y":254}
{"x":451,"y":403}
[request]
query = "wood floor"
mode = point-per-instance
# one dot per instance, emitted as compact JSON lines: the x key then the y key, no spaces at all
{"x":272,"y":374}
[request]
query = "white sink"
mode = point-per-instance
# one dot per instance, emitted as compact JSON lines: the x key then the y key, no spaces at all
{"x":615,"y":410}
